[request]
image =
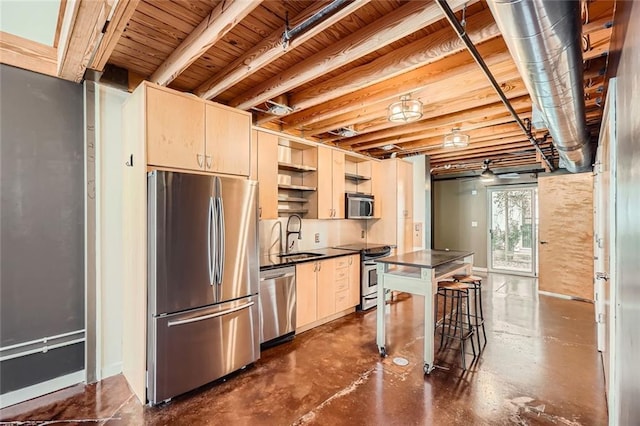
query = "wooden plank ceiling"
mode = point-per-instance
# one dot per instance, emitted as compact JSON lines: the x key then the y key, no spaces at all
{"x":346,"y":70}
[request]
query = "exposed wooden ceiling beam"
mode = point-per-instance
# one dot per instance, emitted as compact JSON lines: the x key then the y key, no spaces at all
{"x":481,"y":27}
{"x":523,"y":108}
{"x":117,"y":23}
{"x":491,"y":133}
{"x":400,"y":23}
{"x":219,"y":22}
{"x":466,"y":126}
{"x":520,"y":142}
{"x":480,"y":98}
{"x":271,"y":49}
{"x":472,"y":116}
{"x":451,"y":67}
{"x":81,"y":28}
{"x":27,"y":54}
{"x":598,"y":25}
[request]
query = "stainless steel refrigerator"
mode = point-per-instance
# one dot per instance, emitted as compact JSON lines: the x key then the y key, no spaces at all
{"x":203,"y":280}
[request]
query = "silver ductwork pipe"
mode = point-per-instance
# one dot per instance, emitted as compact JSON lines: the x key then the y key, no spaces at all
{"x":544,"y":38}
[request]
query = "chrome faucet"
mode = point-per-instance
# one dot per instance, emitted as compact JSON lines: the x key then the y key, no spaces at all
{"x":289,"y":232}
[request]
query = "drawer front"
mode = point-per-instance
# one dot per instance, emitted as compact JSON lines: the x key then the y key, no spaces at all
{"x":195,"y":348}
{"x":342,"y":300}
{"x":342,"y":274}
{"x":342,"y":285}
{"x":342,"y":262}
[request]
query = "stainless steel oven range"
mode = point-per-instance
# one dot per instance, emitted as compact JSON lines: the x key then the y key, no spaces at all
{"x":368,"y":275}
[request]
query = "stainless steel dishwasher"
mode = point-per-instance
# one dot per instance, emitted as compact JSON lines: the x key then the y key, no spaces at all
{"x":277,"y":305}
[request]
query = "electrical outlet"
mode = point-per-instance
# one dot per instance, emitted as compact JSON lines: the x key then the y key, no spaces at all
{"x":362,"y":234}
{"x":474,"y":224}
{"x":317,"y":237}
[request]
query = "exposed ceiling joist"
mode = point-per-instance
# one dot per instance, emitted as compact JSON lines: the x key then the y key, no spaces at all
{"x":427,"y":77}
{"x":393,"y":26}
{"x":80,"y":33}
{"x":123,"y":10}
{"x":472,"y":117}
{"x":212,"y":28}
{"x":478,"y":98}
{"x":429,"y":49}
{"x":270,"y":49}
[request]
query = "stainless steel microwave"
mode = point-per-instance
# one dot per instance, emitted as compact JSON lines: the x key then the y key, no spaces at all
{"x":358,"y":206}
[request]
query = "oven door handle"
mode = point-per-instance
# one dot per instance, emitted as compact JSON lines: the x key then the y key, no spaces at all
{"x":370,"y":297}
{"x":369,"y":263}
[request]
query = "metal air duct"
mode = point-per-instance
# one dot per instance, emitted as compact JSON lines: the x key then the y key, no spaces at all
{"x":544,"y":38}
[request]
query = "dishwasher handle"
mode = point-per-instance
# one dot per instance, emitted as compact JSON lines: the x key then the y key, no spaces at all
{"x":275,"y":277}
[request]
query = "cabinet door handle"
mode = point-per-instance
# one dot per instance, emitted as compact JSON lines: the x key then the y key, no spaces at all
{"x":315,"y":266}
{"x":208,"y":157}
{"x":200,"y":159}
{"x":319,"y":266}
{"x":259,"y":212}
{"x":351,"y":261}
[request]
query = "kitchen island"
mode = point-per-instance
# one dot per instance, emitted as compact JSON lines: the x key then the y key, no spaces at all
{"x":418,"y":273}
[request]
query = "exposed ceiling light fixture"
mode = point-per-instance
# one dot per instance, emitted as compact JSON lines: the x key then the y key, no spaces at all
{"x":278,"y":106}
{"x":389,"y":147}
{"x":345,"y":132}
{"x":405,"y":110}
{"x":487,"y":174}
{"x":456,"y":139}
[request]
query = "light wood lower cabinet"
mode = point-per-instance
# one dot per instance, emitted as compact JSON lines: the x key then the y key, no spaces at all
{"x":325,"y":288}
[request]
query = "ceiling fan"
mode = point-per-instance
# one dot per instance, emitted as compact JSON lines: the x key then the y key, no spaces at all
{"x":487,"y":175}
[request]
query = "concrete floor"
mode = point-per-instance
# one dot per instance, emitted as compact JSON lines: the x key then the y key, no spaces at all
{"x":540,"y":366}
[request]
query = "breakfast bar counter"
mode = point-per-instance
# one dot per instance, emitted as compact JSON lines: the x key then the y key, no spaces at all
{"x":418,"y":273}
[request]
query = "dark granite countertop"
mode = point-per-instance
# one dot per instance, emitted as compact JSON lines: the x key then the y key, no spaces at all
{"x":273,"y":261}
{"x":425,"y":258}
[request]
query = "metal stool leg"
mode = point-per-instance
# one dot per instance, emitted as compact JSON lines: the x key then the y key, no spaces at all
{"x":458,"y":318}
{"x":471,"y":330}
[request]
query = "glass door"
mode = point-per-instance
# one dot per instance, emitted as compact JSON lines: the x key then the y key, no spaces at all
{"x":513,"y":221}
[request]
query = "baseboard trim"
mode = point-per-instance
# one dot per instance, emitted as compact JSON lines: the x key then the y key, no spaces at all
{"x":39,"y":389}
{"x":563,"y":296}
{"x":111,"y":370}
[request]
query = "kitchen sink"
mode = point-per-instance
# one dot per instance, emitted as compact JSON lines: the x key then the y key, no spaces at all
{"x":291,"y":257}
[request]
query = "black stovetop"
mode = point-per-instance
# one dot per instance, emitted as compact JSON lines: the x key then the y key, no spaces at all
{"x":364,"y":247}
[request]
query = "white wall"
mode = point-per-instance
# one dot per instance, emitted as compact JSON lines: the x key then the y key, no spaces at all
{"x":109,"y":262}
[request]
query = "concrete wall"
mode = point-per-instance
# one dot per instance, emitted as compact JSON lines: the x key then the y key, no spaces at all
{"x":42,"y":235}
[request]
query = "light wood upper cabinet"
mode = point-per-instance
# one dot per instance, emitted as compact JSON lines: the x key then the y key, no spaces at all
{"x":228,"y":135}
{"x":175,"y":129}
{"x":395,"y":177}
{"x":306,"y":299}
{"x":405,"y":189}
{"x":331,"y":186}
{"x":186,"y":132}
{"x":267,"y":173}
{"x":377,"y":188}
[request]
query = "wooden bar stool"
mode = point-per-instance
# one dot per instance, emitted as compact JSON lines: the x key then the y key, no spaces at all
{"x":478,"y":313}
{"x":458,"y":316}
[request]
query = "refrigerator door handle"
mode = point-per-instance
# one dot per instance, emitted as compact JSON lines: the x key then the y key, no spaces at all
{"x":209,"y":316}
{"x":221,"y":240}
{"x":210,"y":248}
